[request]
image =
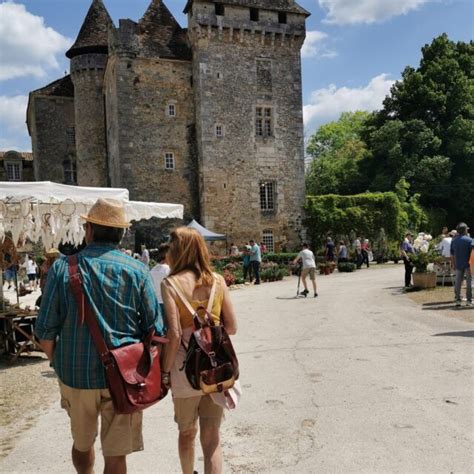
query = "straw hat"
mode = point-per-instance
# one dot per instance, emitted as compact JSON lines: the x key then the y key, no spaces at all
{"x":53,"y":253}
{"x":108,"y":213}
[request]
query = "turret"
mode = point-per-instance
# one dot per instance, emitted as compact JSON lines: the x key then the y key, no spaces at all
{"x":248,"y":97}
{"x":89,"y":56}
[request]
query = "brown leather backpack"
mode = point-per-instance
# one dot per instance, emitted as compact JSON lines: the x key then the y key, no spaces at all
{"x":211,"y":364}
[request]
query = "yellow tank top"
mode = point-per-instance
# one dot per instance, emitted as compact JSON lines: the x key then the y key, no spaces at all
{"x":186,"y":318}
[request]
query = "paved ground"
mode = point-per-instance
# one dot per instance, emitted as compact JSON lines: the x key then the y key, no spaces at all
{"x":360,"y":380}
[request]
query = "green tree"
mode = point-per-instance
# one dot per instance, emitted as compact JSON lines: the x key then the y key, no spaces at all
{"x":337,"y":150}
{"x":425,"y":131}
{"x":334,"y":135}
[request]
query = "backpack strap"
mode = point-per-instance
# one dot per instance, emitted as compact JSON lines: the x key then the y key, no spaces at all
{"x":177,"y":288}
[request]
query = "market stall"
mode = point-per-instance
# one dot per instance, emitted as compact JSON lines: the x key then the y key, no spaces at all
{"x":49,"y":213}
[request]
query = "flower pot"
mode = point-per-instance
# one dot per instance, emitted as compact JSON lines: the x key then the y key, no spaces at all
{"x":424,"y":280}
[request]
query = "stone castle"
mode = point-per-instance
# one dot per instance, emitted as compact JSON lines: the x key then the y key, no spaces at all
{"x":209,"y":116}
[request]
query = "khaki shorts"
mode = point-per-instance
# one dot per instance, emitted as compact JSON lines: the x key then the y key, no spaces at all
{"x":120,"y":435}
{"x":309,"y":271}
{"x":188,"y":410}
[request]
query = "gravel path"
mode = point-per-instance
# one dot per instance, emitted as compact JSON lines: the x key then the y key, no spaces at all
{"x":361,"y":379}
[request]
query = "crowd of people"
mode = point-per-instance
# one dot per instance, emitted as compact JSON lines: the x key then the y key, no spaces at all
{"x":456,"y":247}
{"x":128,"y":302}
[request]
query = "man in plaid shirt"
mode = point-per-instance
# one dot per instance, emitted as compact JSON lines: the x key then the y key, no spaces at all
{"x":120,"y":291}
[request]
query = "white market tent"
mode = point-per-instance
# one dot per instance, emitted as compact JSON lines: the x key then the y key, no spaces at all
{"x":51,"y":212}
{"x":207,"y":234}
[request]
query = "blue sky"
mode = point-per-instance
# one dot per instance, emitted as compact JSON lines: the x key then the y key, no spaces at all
{"x":354,"y":51}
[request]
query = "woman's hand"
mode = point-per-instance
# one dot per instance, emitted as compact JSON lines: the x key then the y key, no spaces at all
{"x":166,"y":379}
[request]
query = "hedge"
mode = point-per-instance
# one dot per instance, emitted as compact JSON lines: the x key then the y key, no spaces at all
{"x":364,"y":214}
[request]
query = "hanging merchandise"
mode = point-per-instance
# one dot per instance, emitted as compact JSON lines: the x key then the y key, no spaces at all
{"x":50,"y":212}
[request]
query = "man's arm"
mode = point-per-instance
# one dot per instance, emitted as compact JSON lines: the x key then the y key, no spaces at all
{"x":150,"y":312}
{"x":297,"y":259}
{"x":50,"y":319}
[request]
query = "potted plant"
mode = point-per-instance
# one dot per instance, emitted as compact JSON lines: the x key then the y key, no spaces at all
{"x":422,"y":277}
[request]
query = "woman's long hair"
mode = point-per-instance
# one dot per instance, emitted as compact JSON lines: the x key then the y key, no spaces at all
{"x":188,"y":251}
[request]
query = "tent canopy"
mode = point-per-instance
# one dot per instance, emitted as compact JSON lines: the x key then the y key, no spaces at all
{"x":51,"y":211}
{"x":208,"y":235}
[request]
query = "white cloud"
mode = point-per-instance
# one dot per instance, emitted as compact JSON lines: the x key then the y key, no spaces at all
{"x":345,"y":12}
{"x":14,"y":134}
{"x":27,"y":46}
{"x":327,"y":104}
{"x":315,"y":45}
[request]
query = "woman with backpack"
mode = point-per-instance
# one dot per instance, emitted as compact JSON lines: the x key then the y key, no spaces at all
{"x":193,"y":286}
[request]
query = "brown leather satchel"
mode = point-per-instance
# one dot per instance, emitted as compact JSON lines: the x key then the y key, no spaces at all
{"x":133,"y":372}
{"x":211,"y":364}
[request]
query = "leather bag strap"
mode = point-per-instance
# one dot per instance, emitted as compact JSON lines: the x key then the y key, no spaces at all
{"x":85,"y":310}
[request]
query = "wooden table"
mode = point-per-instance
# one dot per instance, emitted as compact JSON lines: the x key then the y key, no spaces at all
{"x":18,"y":333}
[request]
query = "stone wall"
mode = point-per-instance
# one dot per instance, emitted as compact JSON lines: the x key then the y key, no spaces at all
{"x":228,"y":91}
{"x":141,"y":130}
{"x":50,"y":119}
{"x":87,"y":72}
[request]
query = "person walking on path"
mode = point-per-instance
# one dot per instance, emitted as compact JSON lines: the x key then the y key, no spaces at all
{"x":120,"y":290}
{"x":160,"y":272}
{"x":145,"y":256}
{"x":246,"y":263}
{"x":191,"y":273}
{"x":406,"y":251}
{"x":342,"y":253}
{"x":31,"y":272}
{"x":461,"y":249}
{"x":471,"y":260}
{"x":255,"y":260}
{"x":330,"y":250}
{"x":365,"y":249}
{"x":309,"y":268}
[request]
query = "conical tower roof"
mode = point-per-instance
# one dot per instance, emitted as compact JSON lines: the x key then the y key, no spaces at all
{"x":161,"y":35}
{"x":94,"y":34}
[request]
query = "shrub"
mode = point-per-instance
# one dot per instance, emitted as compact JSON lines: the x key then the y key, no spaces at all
{"x":347,"y":267}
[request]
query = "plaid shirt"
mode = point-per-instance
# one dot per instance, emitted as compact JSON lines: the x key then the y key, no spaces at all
{"x":121,"y":293}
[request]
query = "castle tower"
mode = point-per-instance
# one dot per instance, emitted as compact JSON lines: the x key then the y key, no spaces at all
{"x":249,"y":118}
{"x":150,"y":110}
{"x":88,"y":58}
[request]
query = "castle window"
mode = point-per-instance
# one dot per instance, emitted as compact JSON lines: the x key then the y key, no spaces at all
{"x":71,"y":136}
{"x":171,"y":110}
{"x":219,"y":75}
{"x":264,"y":123}
{"x":220,"y":9}
{"x":70,"y":172}
{"x":282,"y":18}
{"x":254,"y":14}
{"x":267,"y":196}
{"x":169,"y":161}
{"x":219,"y":131}
{"x":14,"y":171}
{"x":268,"y":240}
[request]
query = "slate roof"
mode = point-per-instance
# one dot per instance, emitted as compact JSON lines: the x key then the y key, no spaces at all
{"x":24,"y":155}
{"x":160,"y":34}
{"x":289,"y":6}
{"x":62,"y":88}
{"x":94,"y":34}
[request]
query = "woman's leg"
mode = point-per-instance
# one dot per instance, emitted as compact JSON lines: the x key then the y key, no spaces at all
{"x":186,"y":444}
{"x":211,"y":445}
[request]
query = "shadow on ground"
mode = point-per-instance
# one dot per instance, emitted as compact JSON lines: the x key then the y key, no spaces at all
{"x":456,"y":334}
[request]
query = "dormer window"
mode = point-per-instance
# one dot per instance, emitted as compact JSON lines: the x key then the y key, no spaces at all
{"x":220,"y":9}
{"x":282,"y":18}
{"x":254,"y":14}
